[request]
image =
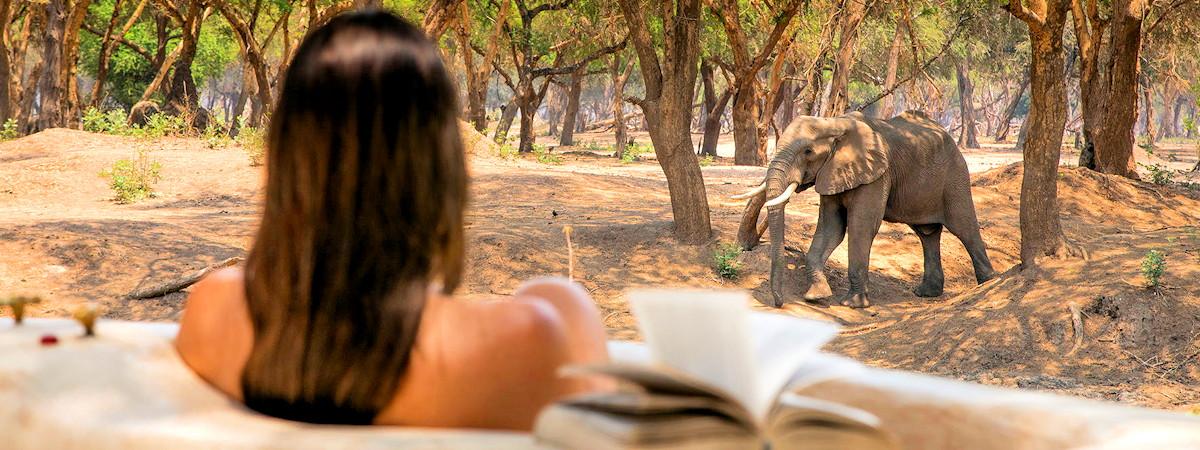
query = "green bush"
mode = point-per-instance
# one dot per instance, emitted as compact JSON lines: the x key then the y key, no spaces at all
{"x":1153,"y":266}
{"x":508,"y":151}
{"x":544,"y":156}
{"x":111,"y":122}
{"x":725,"y":258}
{"x":215,"y":135}
{"x":160,"y":125}
{"x":634,"y":151}
{"x":133,"y":180}
{"x":706,"y":161}
{"x":253,"y":141}
{"x":8,"y":130}
{"x":1159,"y":174}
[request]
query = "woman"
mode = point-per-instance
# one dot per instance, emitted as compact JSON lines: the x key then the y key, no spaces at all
{"x":343,"y":312}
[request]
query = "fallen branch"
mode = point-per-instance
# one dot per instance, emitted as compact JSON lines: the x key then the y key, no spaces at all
{"x":179,"y":284}
{"x":570,"y":254}
{"x":1077,"y":323}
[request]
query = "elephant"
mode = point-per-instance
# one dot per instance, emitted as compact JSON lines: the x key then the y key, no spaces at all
{"x":906,"y":169}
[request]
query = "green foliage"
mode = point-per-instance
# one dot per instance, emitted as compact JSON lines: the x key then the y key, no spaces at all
{"x":133,"y":180}
{"x":1159,"y":174}
{"x":253,"y":142}
{"x":111,"y":122}
{"x":8,"y":130}
{"x":160,"y":125}
{"x":725,"y":260}
{"x":508,"y":151}
{"x":544,"y":156}
{"x":215,"y":136}
{"x":706,"y":161}
{"x":635,"y":150}
{"x":1153,"y":266}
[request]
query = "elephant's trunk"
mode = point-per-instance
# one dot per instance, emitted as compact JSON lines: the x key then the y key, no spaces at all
{"x":775,"y":223}
{"x":749,"y":230}
{"x":777,"y":183}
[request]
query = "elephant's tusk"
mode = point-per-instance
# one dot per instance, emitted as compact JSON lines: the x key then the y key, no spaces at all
{"x":783,"y":198}
{"x":752,"y":192}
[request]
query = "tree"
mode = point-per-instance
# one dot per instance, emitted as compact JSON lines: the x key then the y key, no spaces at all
{"x":6,"y":76}
{"x":968,"y":136}
{"x":478,"y":75}
{"x":619,"y":77}
{"x":837,"y":97}
{"x":667,"y":106}
{"x":1041,"y":230}
{"x":750,"y":122}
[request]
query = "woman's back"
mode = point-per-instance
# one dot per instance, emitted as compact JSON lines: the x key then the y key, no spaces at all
{"x":344,"y":310}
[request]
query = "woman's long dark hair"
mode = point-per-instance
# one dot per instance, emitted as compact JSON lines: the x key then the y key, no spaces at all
{"x":365,"y":193}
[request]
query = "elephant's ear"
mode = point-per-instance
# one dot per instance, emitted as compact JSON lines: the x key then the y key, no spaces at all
{"x":859,"y":156}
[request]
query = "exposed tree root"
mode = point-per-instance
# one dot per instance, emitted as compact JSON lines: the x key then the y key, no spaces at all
{"x":161,"y":289}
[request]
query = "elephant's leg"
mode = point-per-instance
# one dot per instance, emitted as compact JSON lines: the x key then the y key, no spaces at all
{"x":863,"y":218}
{"x":931,"y":245}
{"x":961,"y":222}
{"x":831,"y":229}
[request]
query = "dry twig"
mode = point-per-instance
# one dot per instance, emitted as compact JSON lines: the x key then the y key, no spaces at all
{"x":179,"y":284}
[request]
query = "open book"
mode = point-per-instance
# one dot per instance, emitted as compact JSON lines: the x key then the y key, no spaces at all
{"x":714,"y":376}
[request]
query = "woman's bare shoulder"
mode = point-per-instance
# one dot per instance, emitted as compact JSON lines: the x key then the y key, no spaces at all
{"x":215,"y":335}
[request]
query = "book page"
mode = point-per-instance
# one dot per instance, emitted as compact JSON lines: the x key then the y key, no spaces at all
{"x":782,"y":346}
{"x":704,"y":334}
{"x":714,"y":337}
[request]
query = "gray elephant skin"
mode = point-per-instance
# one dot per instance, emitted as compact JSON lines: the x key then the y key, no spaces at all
{"x":906,"y":169}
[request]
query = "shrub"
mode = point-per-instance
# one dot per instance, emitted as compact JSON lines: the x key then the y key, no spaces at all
{"x":160,"y":125}
{"x":634,"y":151}
{"x":706,"y":161}
{"x":726,"y":261}
{"x":9,"y":130}
{"x":215,"y":135}
{"x":544,"y":156}
{"x":253,"y":141}
{"x":133,"y":180}
{"x":1153,"y":266}
{"x":1159,"y":174}
{"x":508,"y":151}
{"x":111,"y":122}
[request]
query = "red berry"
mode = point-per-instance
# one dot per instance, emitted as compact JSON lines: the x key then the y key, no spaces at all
{"x":49,"y":339}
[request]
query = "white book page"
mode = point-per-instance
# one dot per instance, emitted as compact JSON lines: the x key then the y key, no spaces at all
{"x":714,"y":337}
{"x":782,"y":346}
{"x":704,"y":334}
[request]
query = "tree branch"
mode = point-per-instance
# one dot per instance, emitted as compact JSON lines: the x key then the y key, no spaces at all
{"x":121,"y":40}
{"x":945,"y":46}
{"x":1017,"y":9}
{"x":550,"y":71}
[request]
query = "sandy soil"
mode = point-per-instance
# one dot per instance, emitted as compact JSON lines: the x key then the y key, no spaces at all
{"x":63,"y":238}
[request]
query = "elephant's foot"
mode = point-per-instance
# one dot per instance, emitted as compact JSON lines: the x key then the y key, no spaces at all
{"x":927,"y":289}
{"x":984,"y":277}
{"x":819,"y":288}
{"x":855,"y":300}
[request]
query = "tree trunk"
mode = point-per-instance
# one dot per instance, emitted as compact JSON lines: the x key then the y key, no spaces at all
{"x":507,"y":114}
{"x":966,"y":99}
{"x":667,"y":108}
{"x":1011,"y":110}
{"x":746,"y":148}
{"x":620,"y":132}
{"x":438,"y":17}
{"x":26,"y":91}
{"x":887,"y":108}
{"x":1115,"y":139}
{"x":714,"y":108}
{"x":50,"y":112}
{"x":6,"y":73}
{"x":843,"y":64}
{"x":572,"y":111}
{"x":106,"y":45}
{"x":1041,"y":230}
{"x":1148,"y":101}
{"x":475,"y":112}
{"x":70,"y":57}
{"x":1166,"y":122}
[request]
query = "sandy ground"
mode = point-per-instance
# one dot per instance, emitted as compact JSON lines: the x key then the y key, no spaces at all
{"x":63,"y":238}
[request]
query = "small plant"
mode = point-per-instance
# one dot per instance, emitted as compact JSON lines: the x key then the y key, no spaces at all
{"x":726,"y":261}
{"x":1153,"y":266}
{"x":706,"y":161}
{"x":215,"y":136}
{"x":133,"y":180}
{"x":253,"y":141}
{"x":1159,"y":174}
{"x":634,"y":151}
{"x":508,"y":151}
{"x":544,"y":156}
{"x":160,"y":125}
{"x":8,"y":130}
{"x":110,"y":122}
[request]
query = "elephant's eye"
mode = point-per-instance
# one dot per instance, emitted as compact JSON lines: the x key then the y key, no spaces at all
{"x":807,"y":150}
